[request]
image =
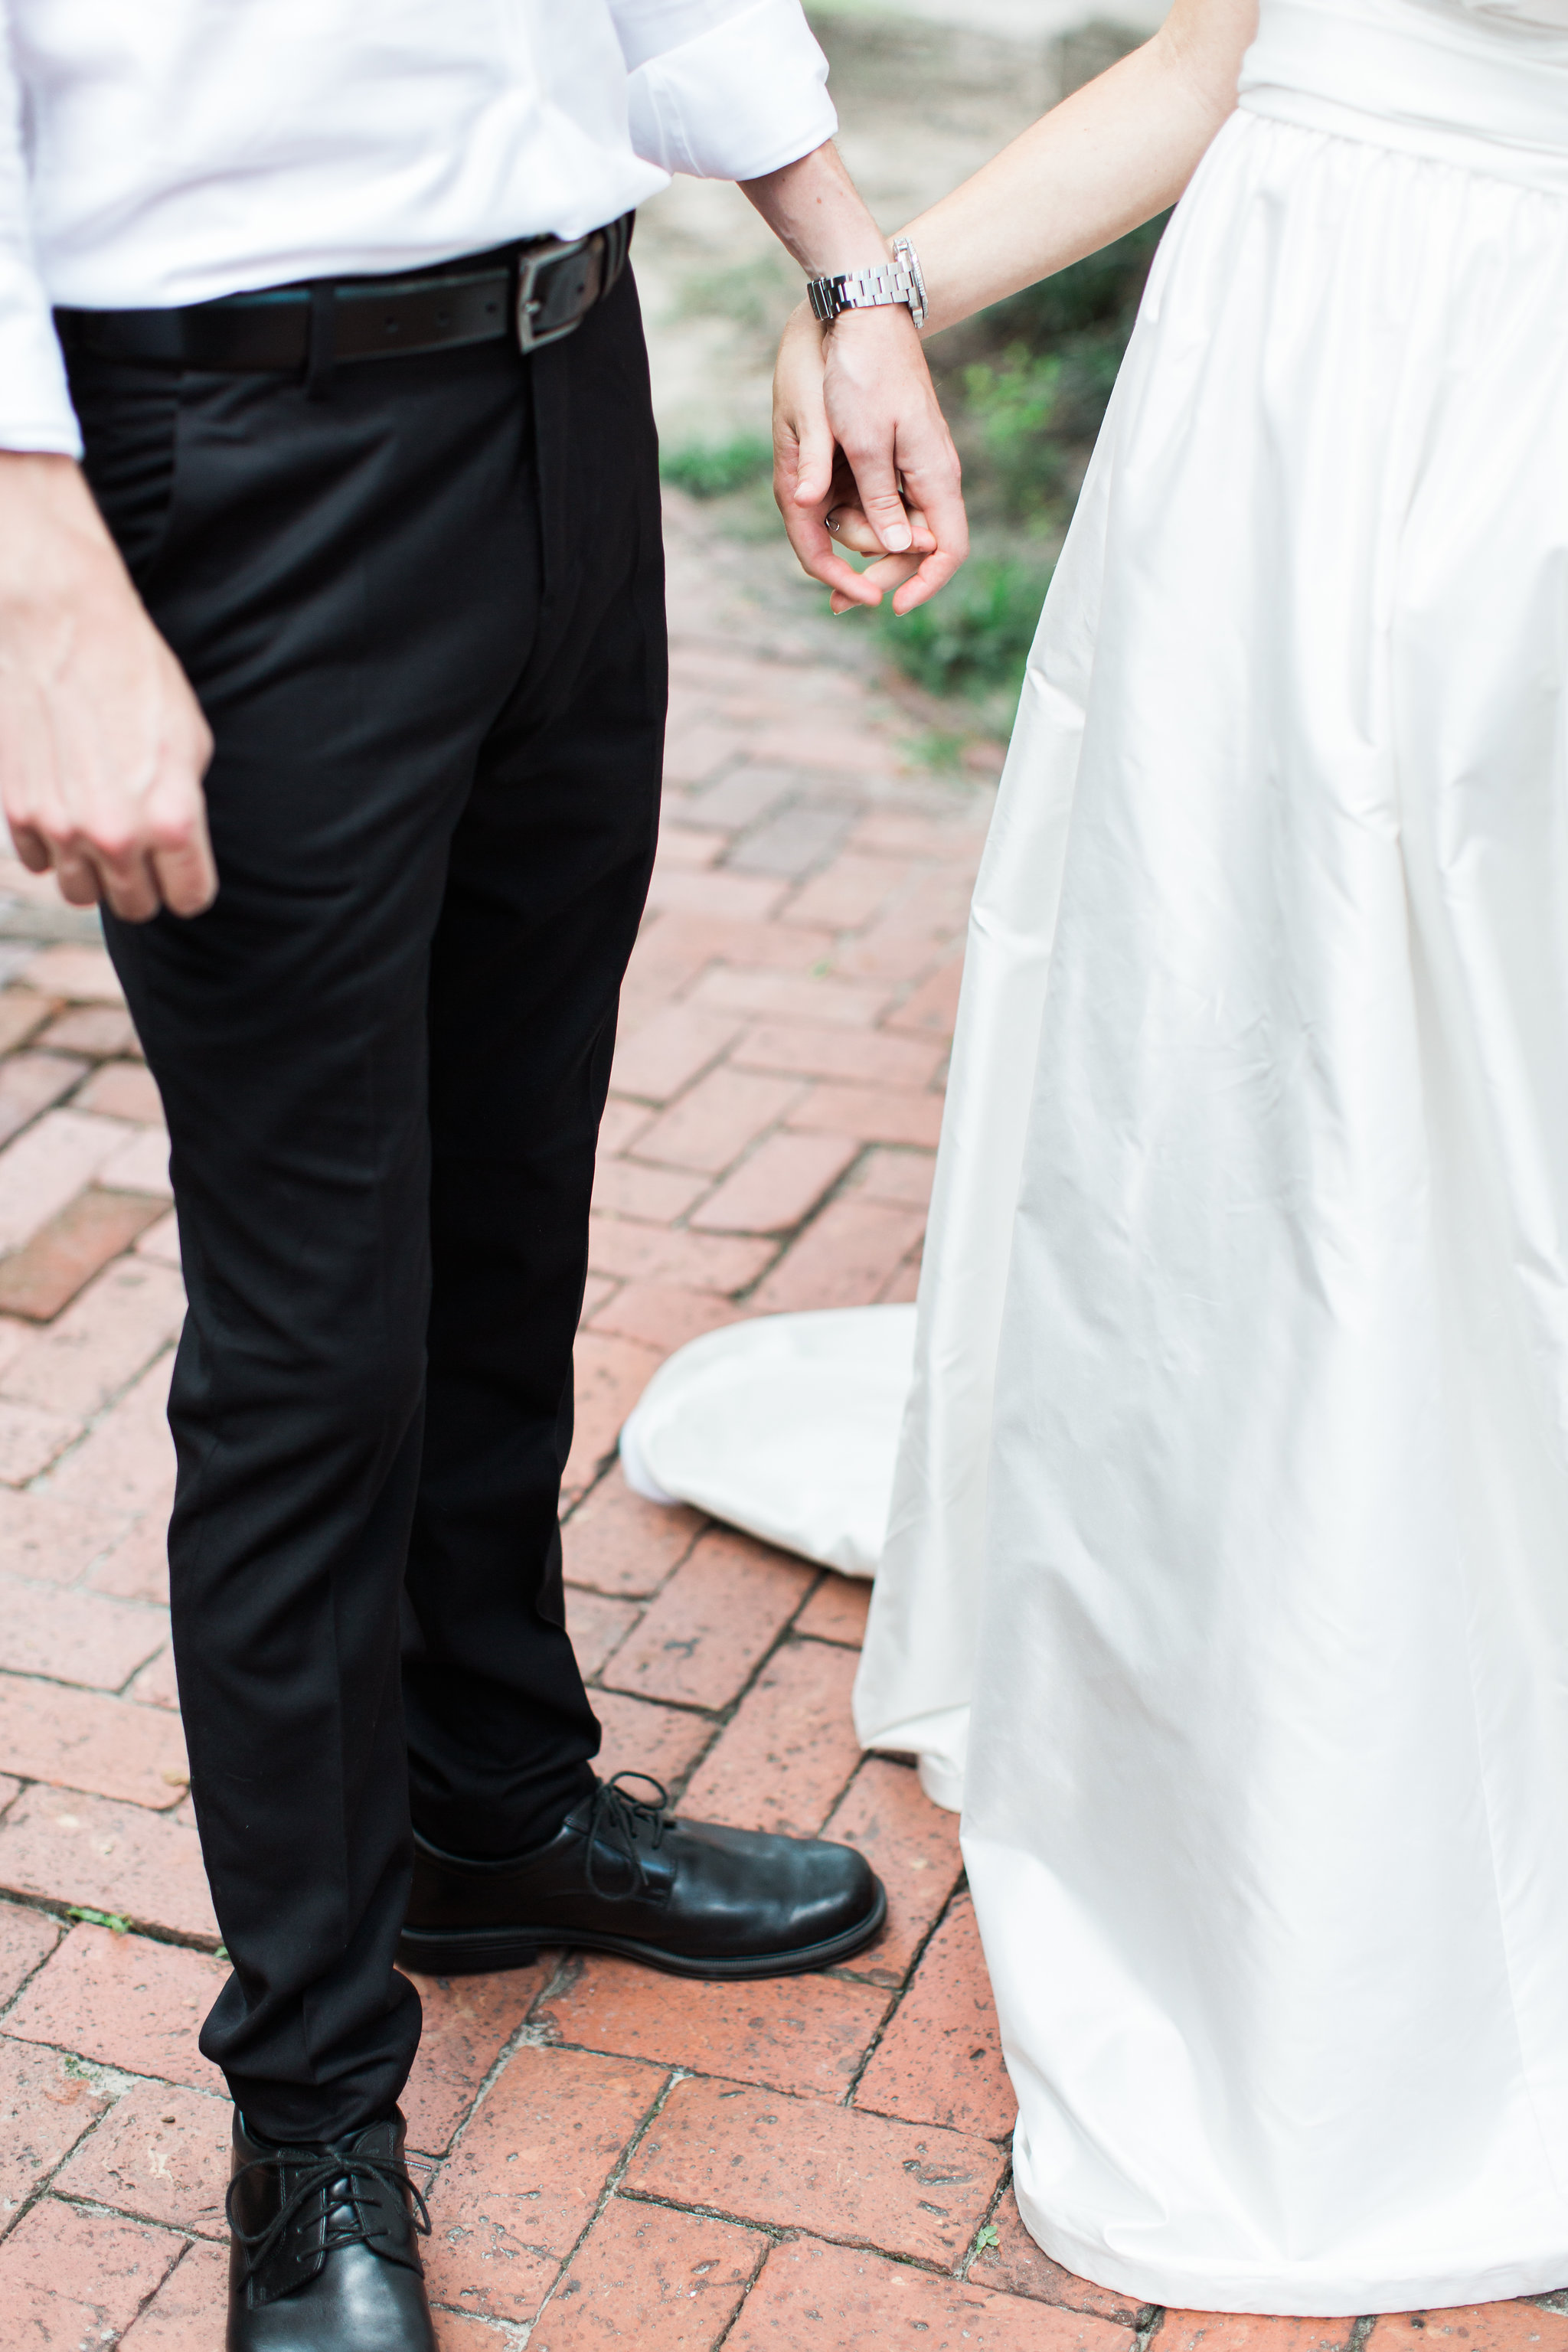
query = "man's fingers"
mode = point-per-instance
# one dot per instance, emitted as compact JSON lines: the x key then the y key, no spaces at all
{"x":31,"y":848}
{"x":187,"y":875}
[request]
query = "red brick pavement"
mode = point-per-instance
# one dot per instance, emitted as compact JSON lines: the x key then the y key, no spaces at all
{"x":618,"y":2157}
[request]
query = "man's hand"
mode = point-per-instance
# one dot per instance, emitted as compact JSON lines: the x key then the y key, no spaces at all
{"x":821,"y":500}
{"x":102,"y":743}
{"x":862,"y":388}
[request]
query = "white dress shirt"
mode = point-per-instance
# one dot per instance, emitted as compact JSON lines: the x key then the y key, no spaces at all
{"x":155,"y":152}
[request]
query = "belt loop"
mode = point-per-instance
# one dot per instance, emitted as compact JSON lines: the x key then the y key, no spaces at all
{"x":321,"y":345}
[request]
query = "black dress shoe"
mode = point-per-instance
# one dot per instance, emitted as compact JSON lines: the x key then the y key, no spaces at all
{"x":323,"y":2256}
{"x":623,"y":1877}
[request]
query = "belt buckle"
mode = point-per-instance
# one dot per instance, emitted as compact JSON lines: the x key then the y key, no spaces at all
{"x":529,"y":267}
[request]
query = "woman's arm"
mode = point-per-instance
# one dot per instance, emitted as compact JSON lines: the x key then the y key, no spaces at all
{"x":1113,"y":155}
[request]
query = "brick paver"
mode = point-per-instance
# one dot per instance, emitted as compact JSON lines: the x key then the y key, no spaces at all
{"x":618,"y":2157}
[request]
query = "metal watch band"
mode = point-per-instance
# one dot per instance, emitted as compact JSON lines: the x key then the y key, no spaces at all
{"x":898,"y":280}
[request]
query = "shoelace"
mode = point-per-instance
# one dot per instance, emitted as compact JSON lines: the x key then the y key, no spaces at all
{"x":616,"y":1817}
{"x":324,"y":2174}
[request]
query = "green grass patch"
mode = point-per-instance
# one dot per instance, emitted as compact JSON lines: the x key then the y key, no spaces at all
{"x":718,"y":469}
{"x":973,"y":638}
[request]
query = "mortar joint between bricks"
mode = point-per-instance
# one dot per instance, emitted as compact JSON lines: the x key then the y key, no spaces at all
{"x":1360,"y":2331}
{"x":616,"y":2175}
{"x":897,"y":1994}
{"x":968,"y":2260}
{"x":51,"y":1906}
{"x":1150,"y":2320}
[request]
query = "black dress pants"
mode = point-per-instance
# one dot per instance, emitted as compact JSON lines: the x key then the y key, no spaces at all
{"x":425,"y":616}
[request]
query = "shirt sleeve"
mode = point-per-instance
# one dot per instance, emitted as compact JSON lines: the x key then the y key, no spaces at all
{"x":723,"y":89}
{"x":34,"y":405}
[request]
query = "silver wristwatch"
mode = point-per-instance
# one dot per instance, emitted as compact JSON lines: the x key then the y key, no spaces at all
{"x":898,"y":280}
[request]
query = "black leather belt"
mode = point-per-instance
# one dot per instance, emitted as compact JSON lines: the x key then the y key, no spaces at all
{"x":533,"y":292}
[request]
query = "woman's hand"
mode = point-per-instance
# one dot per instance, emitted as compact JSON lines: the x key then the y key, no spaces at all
{"x":812,"y":484}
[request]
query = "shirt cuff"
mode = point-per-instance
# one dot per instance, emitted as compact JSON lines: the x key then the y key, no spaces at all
{"x":745,"y":98}
{"x":35,"y":410}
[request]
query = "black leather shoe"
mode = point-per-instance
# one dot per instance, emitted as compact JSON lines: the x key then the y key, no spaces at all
{"x":324,"y":2255}
{"x":623,"y":1877}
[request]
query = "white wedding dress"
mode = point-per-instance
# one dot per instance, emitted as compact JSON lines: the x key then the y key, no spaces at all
{"x":1229,"y":1530}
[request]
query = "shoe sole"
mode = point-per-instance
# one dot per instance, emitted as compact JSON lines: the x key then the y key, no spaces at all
{"x":475,"y":1951}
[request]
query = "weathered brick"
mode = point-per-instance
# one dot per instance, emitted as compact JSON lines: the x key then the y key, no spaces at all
{"x":690,"y":847}
{"x":41,"y":1537}
{"x":639,"y":1737}
{"x":842,"y":1259}
{"x":81,"y":975}
{"x":787,"y":1757}
{"x":717,"y":1616}
{"x":912,"y":1846}
{"x":597,"y":1626}
{"x":791,"y":841}
{"x":126,"y":2001}
{"x":1479,"y":2327}
{"x":940,"y":2061}
{"x":902,"y":1288}
{"x":663,"y":1315}
{"x":187,"y":2313}
{"x":1016,"y":2265}
{"x":868,"y":1057}
{"x":38,"y":1280}
{"x":625,"y":1188}
{"x":649,"y":2278}
{"x":805,"y":2034}
{"x":621,"y":1124}
{"x":870,"y":1114}
{"x":615,"y":1542}
{"x":79,"y":1739}
{"x":68,"y":2279}
{"x":932,"y":1008}
{"x":96,"y":1030}
{"x":26,"y":1939}
{"x":141,"y":1163}
{"x":715,"y":1262}
{"x":137,"y":1568}
{"x":127,"y":1463}
{"x":107,"y":1335}
{"x":838,"y":1610}
{"x":900,"y":833}
{"x":163,"y":2153}
{"x":743,"y":796}
{"x":157,"y":1685}
{"x":776,"y":995}
{"x":778,"y":1186}
{"x":30,"y":1440}
{"x":161,"y":1240}
{"x":802,"y":2164}
{"x":902,"y":1177}
{"x":732,"y":898}
{"x":23,"y":1012}
{"x":693,"y":754}
{"x":1230,"y":2331}
{"x":45,"y":2107}
{"x":75,"y":1637}
{"x":469,"y":2020}
{"x":30,"y":1083}
{"x":611,"y":1374}
{"x":712,"y":1124}
{"x":46,"y":1166}
{"x":676,"y":948}
{"x":527,"y":2173}
{"x":117,"y":1859}
{"x":123,"y":1090}
{"x":816,"y":2298}
{"x":851,"y":892}
{"x":667,"y":1053}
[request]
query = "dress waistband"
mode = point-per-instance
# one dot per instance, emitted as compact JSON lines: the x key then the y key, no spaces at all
{"x":1429,"y":79}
